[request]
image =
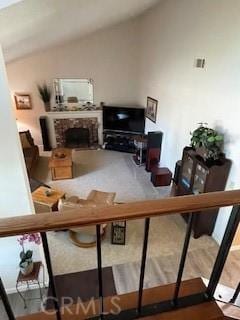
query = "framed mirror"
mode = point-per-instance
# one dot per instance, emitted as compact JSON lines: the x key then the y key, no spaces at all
{"x":73,"y":93}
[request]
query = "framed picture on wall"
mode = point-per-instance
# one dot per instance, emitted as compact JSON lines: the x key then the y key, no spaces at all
{"x":23,"y":101}
{"x":151,"y":111}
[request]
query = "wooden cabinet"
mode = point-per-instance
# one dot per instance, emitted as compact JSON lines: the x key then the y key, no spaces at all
{"x":196,"y":176}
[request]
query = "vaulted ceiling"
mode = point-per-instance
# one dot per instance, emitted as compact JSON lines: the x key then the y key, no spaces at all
{"x":31,"y":25}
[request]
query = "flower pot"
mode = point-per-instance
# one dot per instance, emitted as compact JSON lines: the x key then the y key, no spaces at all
{"x":27,"y":270}
{"x":47,"y":106}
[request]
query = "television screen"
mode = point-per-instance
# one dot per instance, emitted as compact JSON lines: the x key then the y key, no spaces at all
{"x":124,"y":119}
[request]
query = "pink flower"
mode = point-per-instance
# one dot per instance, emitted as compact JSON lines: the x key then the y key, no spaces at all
{"x":32,"y":237}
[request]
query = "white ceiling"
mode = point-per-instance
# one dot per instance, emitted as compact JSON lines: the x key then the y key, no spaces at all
{"x":7,"y":3}
{"x":32,"y":25}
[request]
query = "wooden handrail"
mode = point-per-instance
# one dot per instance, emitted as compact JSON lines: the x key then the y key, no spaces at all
{"x":135,"y":210}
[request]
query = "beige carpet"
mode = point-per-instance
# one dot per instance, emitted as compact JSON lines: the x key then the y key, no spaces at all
{"x":114,"y":171}
{"x":104,"y":170}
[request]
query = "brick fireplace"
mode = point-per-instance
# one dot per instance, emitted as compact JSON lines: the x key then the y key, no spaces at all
{"x":62,"y":126}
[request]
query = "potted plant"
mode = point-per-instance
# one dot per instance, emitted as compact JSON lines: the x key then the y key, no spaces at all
{"x":207,"y":142}
{"x":45,"y":94}
{"x":26,"y":261}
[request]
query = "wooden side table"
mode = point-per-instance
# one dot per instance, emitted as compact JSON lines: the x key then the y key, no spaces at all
{"x":31,"y":279}
{"x":51,"y":201}
{"x":61,"y":164}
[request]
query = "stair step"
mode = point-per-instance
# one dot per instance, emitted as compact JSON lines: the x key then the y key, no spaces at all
{"x":208,"y":310}
{"x":230,"y":311}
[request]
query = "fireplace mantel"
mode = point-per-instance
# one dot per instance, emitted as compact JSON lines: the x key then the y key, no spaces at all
{"x":51,"y":116}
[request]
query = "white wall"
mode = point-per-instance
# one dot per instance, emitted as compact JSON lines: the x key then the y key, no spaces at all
{"x":174,"y":34}
{"x":109,"y":57}
{"x":15,"y":196}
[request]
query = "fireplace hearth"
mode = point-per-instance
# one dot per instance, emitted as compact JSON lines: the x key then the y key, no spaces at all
{"x":77,"y":138}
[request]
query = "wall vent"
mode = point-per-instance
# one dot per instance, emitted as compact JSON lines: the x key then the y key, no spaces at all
{"x":200,"y":63}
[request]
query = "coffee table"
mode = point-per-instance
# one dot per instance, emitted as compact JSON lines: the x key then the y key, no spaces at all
{"x":61,"y":164}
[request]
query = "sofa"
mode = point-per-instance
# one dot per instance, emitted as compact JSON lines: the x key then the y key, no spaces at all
{"x":30,"y":151}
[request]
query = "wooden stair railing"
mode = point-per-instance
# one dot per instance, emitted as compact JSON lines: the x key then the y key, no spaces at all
{"x":137,"y":210}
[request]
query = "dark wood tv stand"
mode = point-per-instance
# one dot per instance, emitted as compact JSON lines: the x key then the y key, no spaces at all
{"x":119,"y":141}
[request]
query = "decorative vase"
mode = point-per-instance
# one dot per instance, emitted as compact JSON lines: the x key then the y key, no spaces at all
{"x":47,"y":106}
{"x":28,"y":269}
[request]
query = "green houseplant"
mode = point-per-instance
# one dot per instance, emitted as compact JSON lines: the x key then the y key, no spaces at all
{"x":45,"y":94}
{"x":207,"y":142}
{"x":26,"y":261}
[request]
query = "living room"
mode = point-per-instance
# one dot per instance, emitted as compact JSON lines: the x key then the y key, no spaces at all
{"x":182,"y":54}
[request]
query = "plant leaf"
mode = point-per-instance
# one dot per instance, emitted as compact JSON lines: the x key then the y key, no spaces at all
{"x":211,"y":139}
{"x":29,"y":254}
{"x":219,"y":137}
{"x":22,"y":255}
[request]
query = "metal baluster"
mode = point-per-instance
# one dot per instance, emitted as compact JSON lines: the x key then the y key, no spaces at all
{"x":223,"y":251}
{"x":143,"y":264}
{"x":183,"y":259}
{"x":50,"y":273}
{"x":99,"y":260}
{"x":236,"y":293}
{"x":5,"y":301}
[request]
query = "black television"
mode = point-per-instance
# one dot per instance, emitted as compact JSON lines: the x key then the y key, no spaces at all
{"x":124,"y":119}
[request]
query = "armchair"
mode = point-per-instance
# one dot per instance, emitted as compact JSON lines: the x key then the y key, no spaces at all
{"x":86,"y":236}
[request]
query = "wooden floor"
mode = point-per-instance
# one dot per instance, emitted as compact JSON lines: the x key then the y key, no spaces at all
{"x":205,"y":311}
{"x":17,"y":305}
{"x":163,"y":269}
{"x":230,"y":311}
